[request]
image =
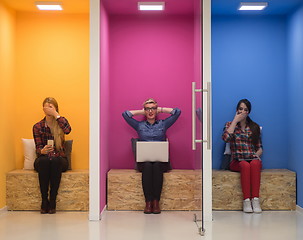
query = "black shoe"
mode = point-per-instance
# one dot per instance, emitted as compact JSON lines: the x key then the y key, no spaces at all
{"x":44,"y":207}
{"x":52,"y":206}
{"x":52,"y":211}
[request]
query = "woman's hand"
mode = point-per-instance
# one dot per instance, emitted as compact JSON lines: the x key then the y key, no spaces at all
{"x":50,"y":110}
{"x":47,"y":149}
{"x":259,"y":152}
{"x":239,"y":117}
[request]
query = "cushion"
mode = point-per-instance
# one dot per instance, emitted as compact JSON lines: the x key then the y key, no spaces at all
{"x":226,"y":161}
{"x":134,"y":149}
{"x":29,"y":150}
{"x":68,"y":145}
{"x":30,"y":156}
{"x":227,"y":149}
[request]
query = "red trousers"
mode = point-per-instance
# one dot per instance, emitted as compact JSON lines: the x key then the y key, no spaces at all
{"x":250,"y":176}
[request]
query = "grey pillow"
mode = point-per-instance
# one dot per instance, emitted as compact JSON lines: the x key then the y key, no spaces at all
{"x":68,"y":145}
{"x":226,"y":162}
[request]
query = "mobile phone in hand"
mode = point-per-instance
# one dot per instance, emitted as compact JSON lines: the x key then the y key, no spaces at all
{"x":50,"y":142}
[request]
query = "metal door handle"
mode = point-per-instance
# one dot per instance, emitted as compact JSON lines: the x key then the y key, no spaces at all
{"x":208,"y":91}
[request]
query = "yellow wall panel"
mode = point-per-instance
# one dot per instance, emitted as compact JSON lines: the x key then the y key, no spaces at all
{"x":52,"y":60}
{"x":7,"y":127}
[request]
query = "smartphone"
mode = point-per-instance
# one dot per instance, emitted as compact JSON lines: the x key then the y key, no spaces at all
{"x":50,"y":142}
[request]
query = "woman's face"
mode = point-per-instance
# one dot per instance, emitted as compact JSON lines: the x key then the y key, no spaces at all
{"x":243,"y":109}
{"x":48,"y":109}
{"x":150,"y":110}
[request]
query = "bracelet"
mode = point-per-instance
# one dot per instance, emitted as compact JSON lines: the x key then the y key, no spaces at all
{"x":161,"y":109}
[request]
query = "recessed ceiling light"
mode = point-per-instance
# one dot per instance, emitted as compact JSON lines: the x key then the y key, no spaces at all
{"x":151,"y":6}
{"x":252,"y":5}
{"x":52,"y":6}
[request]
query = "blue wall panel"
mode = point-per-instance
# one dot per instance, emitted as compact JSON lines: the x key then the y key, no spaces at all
{"x":295,"y":81}
{"x":249,"y":60}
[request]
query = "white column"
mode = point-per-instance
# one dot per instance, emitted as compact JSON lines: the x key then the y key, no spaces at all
{"x":94,"y":113}
{"x":207,"y":154}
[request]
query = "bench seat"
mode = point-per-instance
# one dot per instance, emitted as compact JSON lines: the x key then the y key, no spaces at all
{"x":181,"y":190}
{"x":277,"y":190}
{"x":23,"y":192}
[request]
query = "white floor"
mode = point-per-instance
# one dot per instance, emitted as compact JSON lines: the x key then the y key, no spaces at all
{"x":226,"y":225}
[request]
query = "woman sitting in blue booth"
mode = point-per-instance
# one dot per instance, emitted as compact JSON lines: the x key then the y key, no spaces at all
{"x":244,"y":137}
{"x":152,"y":130}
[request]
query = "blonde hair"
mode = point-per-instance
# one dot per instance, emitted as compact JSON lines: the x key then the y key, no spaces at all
{"x":55,"y":128}
{"x":150,"y":100}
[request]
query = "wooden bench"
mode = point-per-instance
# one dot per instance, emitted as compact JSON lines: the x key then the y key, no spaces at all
{"x":181,"y":190}
{"x":23,"y":192}
{"x":277,"y":190}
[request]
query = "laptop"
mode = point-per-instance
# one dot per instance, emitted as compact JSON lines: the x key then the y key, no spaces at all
{"x":152,"y":151}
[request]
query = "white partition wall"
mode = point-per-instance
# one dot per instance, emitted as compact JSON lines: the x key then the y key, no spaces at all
{"x":207,"y":123}
{"x":94,"y":122}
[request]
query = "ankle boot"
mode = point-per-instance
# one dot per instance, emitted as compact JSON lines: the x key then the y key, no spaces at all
{"x":148,"y":207}
{"x":156,"y":207}
{"x":52,"y":206}
{"x":44,"y":206}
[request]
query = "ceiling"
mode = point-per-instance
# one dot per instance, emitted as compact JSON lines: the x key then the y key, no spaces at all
{"x":69,"y":6}
{"x":130,"y":6}
{"x":219,"y":7}
{"x":275,"y":7}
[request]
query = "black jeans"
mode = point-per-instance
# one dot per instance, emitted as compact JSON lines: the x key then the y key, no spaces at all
{"x":49,"y":173}
{"x":152,"y":180}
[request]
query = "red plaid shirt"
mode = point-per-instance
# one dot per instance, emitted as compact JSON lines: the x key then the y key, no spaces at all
{"x":42,"y":133}
{"x":241,"y":143}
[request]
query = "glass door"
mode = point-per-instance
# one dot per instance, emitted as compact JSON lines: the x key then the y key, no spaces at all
{"x":201,"y":116}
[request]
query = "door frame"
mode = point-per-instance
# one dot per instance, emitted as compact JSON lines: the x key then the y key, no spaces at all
{"x":94,"y":114}
{"x":206,"y":78}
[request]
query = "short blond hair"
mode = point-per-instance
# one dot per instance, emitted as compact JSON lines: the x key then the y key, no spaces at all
{"x":150,"y":100}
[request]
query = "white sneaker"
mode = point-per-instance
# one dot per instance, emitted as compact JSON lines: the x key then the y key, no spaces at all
{"x":256,"y":205}
{"x":247,"y":206}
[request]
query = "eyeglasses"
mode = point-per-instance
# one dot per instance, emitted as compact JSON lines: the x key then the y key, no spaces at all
{"x":150,"y":109}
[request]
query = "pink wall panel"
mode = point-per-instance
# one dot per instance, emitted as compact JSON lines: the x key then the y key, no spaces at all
{"x":104,"y":105}
{"x":150,"y":56}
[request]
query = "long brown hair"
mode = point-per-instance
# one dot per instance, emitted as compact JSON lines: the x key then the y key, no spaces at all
{"x":55,"y":128}
{"x":254,"y":127}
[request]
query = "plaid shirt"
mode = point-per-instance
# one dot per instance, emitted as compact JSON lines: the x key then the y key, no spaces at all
{"x":241,"y":143}
{"x":42,"y":133}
